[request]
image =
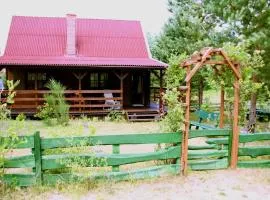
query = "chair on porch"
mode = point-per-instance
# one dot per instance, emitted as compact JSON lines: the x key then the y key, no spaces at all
{"x":110,"y":103}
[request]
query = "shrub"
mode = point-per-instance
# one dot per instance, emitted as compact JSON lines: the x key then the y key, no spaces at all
{"x":174,"y":118}
{"x":115,"y":116}
{"x":4,"y":110}
{"x":55,"y":110}
{"x":21,"y":117}
{"x":8,"y":140}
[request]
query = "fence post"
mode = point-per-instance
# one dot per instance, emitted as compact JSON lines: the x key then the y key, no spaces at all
{"x":116,"y":150}
{"x":230,"y":137}
{"x":37,"y":155}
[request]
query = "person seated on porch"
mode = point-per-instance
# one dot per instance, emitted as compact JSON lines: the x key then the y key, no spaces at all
{"x":110,"y":103}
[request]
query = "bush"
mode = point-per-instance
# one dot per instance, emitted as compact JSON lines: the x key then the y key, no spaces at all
{"x":21,"y":117}
{"x":8,"y":140}
{"x":115,"y":116}
{"x":174,"y":118}
{"x":4,"y":110}
{"x":55,"y":110}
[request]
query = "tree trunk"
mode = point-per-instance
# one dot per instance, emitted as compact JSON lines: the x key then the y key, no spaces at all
{"x":252,"y":113}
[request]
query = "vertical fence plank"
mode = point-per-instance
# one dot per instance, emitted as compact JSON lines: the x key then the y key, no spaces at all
{"x":116,"y":150}
{"x":37,"y":155}
{"x":230,"y":139}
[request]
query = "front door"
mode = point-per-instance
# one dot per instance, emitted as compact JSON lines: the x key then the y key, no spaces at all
{"x":137,"y":89}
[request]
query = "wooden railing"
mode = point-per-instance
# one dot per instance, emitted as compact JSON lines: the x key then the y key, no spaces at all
{"x":79,"y":100}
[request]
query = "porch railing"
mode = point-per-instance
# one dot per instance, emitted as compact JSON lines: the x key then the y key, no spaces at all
{"x":85,"y":101}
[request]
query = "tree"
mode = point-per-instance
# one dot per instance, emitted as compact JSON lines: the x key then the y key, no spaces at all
{"x":190,"y":28}
{"x":250,"y":20}
{"x":195,"y":24}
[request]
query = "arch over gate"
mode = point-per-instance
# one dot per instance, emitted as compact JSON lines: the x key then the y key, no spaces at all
{"x":207,"y":57}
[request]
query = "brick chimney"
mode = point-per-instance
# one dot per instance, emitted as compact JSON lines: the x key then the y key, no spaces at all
{"x":71,"y":35}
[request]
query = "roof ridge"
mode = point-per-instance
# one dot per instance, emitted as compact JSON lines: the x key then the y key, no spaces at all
{"x":78,"y":18}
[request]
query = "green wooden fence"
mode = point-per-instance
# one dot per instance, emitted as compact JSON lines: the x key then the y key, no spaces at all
{"x":252,"y":152}
{"x":46,"y":167}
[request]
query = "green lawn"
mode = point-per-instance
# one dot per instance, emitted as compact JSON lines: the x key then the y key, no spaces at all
{"x":77,"y":127}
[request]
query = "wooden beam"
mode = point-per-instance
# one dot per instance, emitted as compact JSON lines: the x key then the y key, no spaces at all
{"x":156,"y":74}
{"x":198,"y":65}
{"x":80,"y":76}
{"x":235,"y":134}
{"x":161,"y":103}
{"x":215,"y":62}
{"x":231,"y":65}
{"x":221,"y":111}
{"x":184,"y":154}
{"x":121,"y":78}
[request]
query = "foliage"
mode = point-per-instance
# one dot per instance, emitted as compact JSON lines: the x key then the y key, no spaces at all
{"x":115,"y":116}
{"x":174,"y":73}
{"x":55,"y":110}
{"x":249,"y":65}
{"x":4,"y":110}
{"x":21,"y":117}
{"x":174,"y":118}
{"x":195,"y":24}
{"x":8,"y":139}
{"x":190,"y":28}
{"x":172,"y":121}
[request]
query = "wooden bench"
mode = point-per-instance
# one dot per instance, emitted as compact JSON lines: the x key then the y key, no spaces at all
{"x":261,"y":114}
{"x":204,"y":115}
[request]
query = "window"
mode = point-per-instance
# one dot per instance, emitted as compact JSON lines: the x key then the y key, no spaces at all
{"x":94,"y":80}
{"x":98,"y":80}
{"x":36,"y":80}
{"x":103,"y":80}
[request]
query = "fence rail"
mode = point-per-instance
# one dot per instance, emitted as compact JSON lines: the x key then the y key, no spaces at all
{"x":215,"y":154}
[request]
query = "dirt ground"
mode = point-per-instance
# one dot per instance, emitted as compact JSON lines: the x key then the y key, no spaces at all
{"x":222,"y":184}
{"x":202,"y":185}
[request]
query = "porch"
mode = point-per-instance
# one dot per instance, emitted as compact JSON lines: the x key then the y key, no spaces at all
{"x":81,"y":102}
{"x":128,"y":89}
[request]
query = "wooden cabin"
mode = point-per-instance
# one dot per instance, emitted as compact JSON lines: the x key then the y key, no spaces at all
{"x":90,"y":57}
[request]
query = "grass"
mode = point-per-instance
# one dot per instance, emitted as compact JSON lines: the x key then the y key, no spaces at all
{"x":79,"y":127}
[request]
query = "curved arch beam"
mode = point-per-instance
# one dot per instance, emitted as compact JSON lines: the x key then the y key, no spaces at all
{"x":203,"y":60}
{"x":236,"y":73}
{"x":198,"y":65}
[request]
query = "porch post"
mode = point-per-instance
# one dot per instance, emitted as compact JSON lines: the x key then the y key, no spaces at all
{"x":121,"y":78}
{"x":80,"y":76}
{"x":161,"y":103}
{"x":36,"y":88}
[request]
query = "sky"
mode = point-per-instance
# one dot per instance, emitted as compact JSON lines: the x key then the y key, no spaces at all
{"x":152,"y":13}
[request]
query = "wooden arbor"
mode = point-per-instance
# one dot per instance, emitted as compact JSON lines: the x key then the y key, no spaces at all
{"x":207,"y":57}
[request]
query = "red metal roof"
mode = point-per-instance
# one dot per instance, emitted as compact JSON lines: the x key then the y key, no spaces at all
{"x":99,"y":42}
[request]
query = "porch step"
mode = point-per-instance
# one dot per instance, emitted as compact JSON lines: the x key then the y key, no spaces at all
{"x":143,"y":116}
